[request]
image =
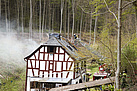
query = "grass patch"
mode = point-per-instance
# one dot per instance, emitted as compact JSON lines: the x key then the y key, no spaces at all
{"x":93,"y":68}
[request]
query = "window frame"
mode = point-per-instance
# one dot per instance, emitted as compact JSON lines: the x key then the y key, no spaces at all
{"x":51,"y":49}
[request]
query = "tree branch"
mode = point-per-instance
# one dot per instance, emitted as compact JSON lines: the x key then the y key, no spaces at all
{"x":128,"y":4}
{"x":90,"y":12}
{"x":130,"y":65}
{"x":127,"y":43}
{"x":111,"y":11}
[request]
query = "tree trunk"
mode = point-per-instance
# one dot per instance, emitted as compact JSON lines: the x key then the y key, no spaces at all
{"x":119,"y":45}
{"x":6,"y":16}
{"x":43,"y":17}
{"x":0,"y":9}
{"x":73,"y":3}
{"x":81,"y":22}
{"x":91,"y":27}
{"x":65,"y":18}
{"x":135,"y":4}
{"x":40,"y":20}
{"x":30,"y":22}
{"x":62,"y":5}
{"x":22,"y":17}
{"x":53,"y":19}
{"x":68,"y":19}
{"x":86,"y":24}
{"x":18,"y":15}
{"x":34,"y":19}
{"x":9,"y":17}
{"x":46,"y":19}
{"x":95,"y":28}
{"x":49,"y":17}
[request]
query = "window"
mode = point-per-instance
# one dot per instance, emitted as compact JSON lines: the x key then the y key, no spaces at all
{"x":51,"y":49}
{"x":34,"y":85}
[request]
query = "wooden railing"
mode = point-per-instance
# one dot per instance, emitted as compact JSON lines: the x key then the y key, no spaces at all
{"x":85,"y":85}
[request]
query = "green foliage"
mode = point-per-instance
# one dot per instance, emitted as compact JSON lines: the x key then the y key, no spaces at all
{"x":15,"y":82}
{"x":108,"y":87}
{"x":129,"y":54}
{"x":103,"y":87}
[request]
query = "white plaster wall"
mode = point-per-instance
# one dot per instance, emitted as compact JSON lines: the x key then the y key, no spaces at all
{"x":30,"y":72}
{"x":61,"y":57}
{"x":61,"y":50}
{"x":50,"y":56}
{"x":45,"y":49}
{"x":41,"y":56}
{"x":42,"y":49}
{"x":46,"y":56}
{"x":57,"y":49}
{"x":42,"y":65}
{"x":70,"y":59}
{"x":29,"y":64}
{"x":47,"y":65}
{"x":65,"y":74}
{"x":70,"y":74}
{"x":45,"y":74}
{"x":56,"y":57}
{"x":32,"y":57}
{"x":64,"y":65}
{"x":58,"y":66}
{"x":33,"y":63}
{"x":35,"y":72}
{"x":66,"y":56}
{"x":36,"y":54}
{"x":37,"y":64}
{"x":28,"y":83}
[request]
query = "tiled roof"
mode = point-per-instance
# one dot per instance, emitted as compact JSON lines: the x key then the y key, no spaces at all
{"x":53,"y":41}
{"x":64,"y":43}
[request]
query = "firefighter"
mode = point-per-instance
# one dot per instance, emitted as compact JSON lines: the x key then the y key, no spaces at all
{"x":75,"y":36}
{"x":124,"y":82}
{"x":75,"y":39}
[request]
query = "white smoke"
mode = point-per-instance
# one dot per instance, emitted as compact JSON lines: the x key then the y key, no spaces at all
{"x":13,"y":49}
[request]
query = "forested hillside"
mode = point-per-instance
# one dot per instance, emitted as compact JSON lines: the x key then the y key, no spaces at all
{"x":108,"y":26}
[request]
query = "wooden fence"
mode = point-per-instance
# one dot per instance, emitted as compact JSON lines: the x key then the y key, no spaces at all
{"x":85,"y":85}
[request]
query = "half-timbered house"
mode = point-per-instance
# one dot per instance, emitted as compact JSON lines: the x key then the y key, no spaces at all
{"x":53,"y":64}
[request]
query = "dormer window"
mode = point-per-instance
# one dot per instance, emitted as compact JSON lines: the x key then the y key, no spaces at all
{"x":51,"y":49}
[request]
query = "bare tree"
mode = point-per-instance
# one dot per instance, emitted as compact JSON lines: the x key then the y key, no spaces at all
{"x":95,"y":28}
{"x":68,"y":19}
{"x":86,"y":21}
{"x":40,"y":20}
{"x":81,"y":22}
{"x":73,"y":9}
{"x":53,"y":18}
{"x":62,"y":5}
{"x":65,"y":17}
{"x":30,"y":21}
{"x":0,"y":9}
{"x":9,"y":17}
{"x":46,"y":19}
{"x":18,"y":15}
{"x":119,"y":44}
{"x":90,"y":27}
{"x":118,"y":41}
{"x":22,"y":24}
{"x":43,"y":17}
{"x":49,"y":18}
{"x":6,"y":16}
